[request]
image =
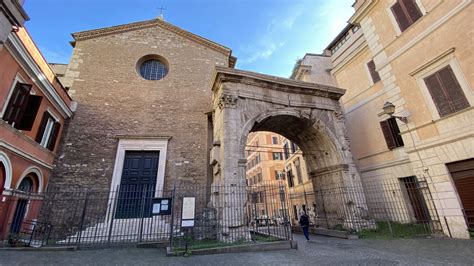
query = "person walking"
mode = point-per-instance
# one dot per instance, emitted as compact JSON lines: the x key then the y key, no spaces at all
{"x":304,"y":223}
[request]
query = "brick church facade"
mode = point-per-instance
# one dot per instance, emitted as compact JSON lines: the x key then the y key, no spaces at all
{"x":120,"y":110}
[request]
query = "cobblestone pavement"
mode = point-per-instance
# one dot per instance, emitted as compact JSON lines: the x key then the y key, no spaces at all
{"x":319,"y":251}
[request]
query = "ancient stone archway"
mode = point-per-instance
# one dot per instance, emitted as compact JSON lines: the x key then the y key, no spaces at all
{"x":306,"y":113}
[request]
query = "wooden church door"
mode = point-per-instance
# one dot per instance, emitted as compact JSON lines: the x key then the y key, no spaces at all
{"x":138,"y":183}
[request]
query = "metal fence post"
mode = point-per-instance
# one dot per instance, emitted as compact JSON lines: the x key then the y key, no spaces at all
{"x":142,"y":214}
{"x":173,"y":198}
{"x":112,"y":215}
{"x":83,"y":216}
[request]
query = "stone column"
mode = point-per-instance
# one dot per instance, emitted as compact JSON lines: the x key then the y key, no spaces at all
{"x":230,"y":187}
{"x":352,"y":196}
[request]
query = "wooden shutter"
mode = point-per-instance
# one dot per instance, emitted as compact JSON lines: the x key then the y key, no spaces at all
{"x":29,"y":116}
{"x":438,"y":94}
{"x":54,"y":136}
{"x":387,"y":133}
{"x":44,"y":122}
{"x":396,"y":132}
{"x":402,"y":19}
{"x":446,"y":92}
{"x":18,"y":103}
{"x":412,"y":10}
{"x":454,"y":91}
{"x":373,"y":73}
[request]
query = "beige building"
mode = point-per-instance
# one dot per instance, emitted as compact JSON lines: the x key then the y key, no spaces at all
{"x":416,"y":55}
{"x":265,"y":174}
{"x":300,"y":186}
{"x":274,"y":161}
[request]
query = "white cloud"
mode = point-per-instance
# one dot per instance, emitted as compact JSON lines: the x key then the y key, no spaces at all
{"x":262,"y":52}
{"x":289,"y":21}
{"x":304,"y":28}
{"x":272,"y":39}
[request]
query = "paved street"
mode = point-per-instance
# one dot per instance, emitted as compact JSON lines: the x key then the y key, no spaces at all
{"x":321,"y":250}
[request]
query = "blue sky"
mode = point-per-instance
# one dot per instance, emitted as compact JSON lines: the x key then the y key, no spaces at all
{"x":267,"y":36}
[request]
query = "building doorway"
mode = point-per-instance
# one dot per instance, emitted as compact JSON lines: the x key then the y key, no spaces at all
{"x":138,"y":184}
{"x":21,"y":209}
{"x":462,"y":174}
{"x":417,"y":201}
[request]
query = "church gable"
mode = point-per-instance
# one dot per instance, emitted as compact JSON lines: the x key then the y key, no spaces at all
{"x":118,"y":104}
{"x":108,"y":31}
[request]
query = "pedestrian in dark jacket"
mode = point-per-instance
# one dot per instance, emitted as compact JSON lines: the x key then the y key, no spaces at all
{"x":304,"y":223}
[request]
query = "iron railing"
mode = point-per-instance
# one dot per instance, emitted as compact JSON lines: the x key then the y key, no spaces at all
{"x":88,"y":218}
{"x":399,"y":206}
{"x":222,"y":214}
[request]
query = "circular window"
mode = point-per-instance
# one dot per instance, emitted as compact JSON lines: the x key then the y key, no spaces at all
{"x":153,"y":69}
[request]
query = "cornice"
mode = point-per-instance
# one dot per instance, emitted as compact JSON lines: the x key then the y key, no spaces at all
{"x":224,"y":74}
{"x":329,"y":170}
{"x":24,"y":154}
{"x":362,"y":11}
{"x":5,"y":8}
{"x":153,"y":137}
{"x":23,"y":57}
{"x":21,"y":10}
{"x":90,"y":34}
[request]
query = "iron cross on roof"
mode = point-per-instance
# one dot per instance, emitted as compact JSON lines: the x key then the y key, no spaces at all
{"x":161,"y":12}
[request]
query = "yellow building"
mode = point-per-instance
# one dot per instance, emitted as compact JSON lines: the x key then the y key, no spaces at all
{"x":413,"y":56}
{"x":265,"y":176}
{"x":300,"y":187}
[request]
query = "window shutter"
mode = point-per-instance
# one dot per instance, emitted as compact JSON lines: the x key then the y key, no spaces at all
{"x":396,"y":132}
{"x":438,"y":94}
{"x":452,"y":89}
{"x":412,"y":9}
{"x":402,"y":19}
{"x":44,"y":122}
{"x":446,"y":92}
{"x":18,"y":103}
{"x":54,"y":136}
{"x":387,"y":133}
{"x":30,"y":113}
{"x":373,"y":73}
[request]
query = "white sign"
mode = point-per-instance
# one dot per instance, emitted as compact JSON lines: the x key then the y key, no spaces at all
{"x":188,"y":208}
{"x":156,"y":208}
{"x":187,"y":223}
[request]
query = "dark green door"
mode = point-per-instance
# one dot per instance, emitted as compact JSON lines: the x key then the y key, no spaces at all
{"x":137,"y":186}
{"x":19,"y":215}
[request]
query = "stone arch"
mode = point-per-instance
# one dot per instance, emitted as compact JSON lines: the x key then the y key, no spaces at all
{"x":7,"y":170}
{"x":325,"y":136}
{"x":36,"y":174}
{"x":306,"y":113}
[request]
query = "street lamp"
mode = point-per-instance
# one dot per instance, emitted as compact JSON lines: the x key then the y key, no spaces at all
{"x":389,"y":109}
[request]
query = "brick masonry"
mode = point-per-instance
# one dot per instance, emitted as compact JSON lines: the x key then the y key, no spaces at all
{"x":113,"y":100}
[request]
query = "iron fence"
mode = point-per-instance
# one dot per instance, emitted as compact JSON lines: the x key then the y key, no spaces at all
{"x":221,"y":214}
{"x":89,"y":218}
{"x":396,"y":207}
{"x":229,"y":217}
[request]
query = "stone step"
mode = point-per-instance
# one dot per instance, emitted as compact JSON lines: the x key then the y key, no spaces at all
{"x":123,"y":230}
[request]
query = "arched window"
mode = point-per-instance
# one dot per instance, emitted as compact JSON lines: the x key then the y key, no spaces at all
{"x":2,"y":178}
{"x":26,"y":184}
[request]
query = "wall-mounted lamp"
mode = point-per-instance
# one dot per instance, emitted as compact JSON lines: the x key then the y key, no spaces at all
{"x":389,"y":109}
{"x":15,"y":28}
